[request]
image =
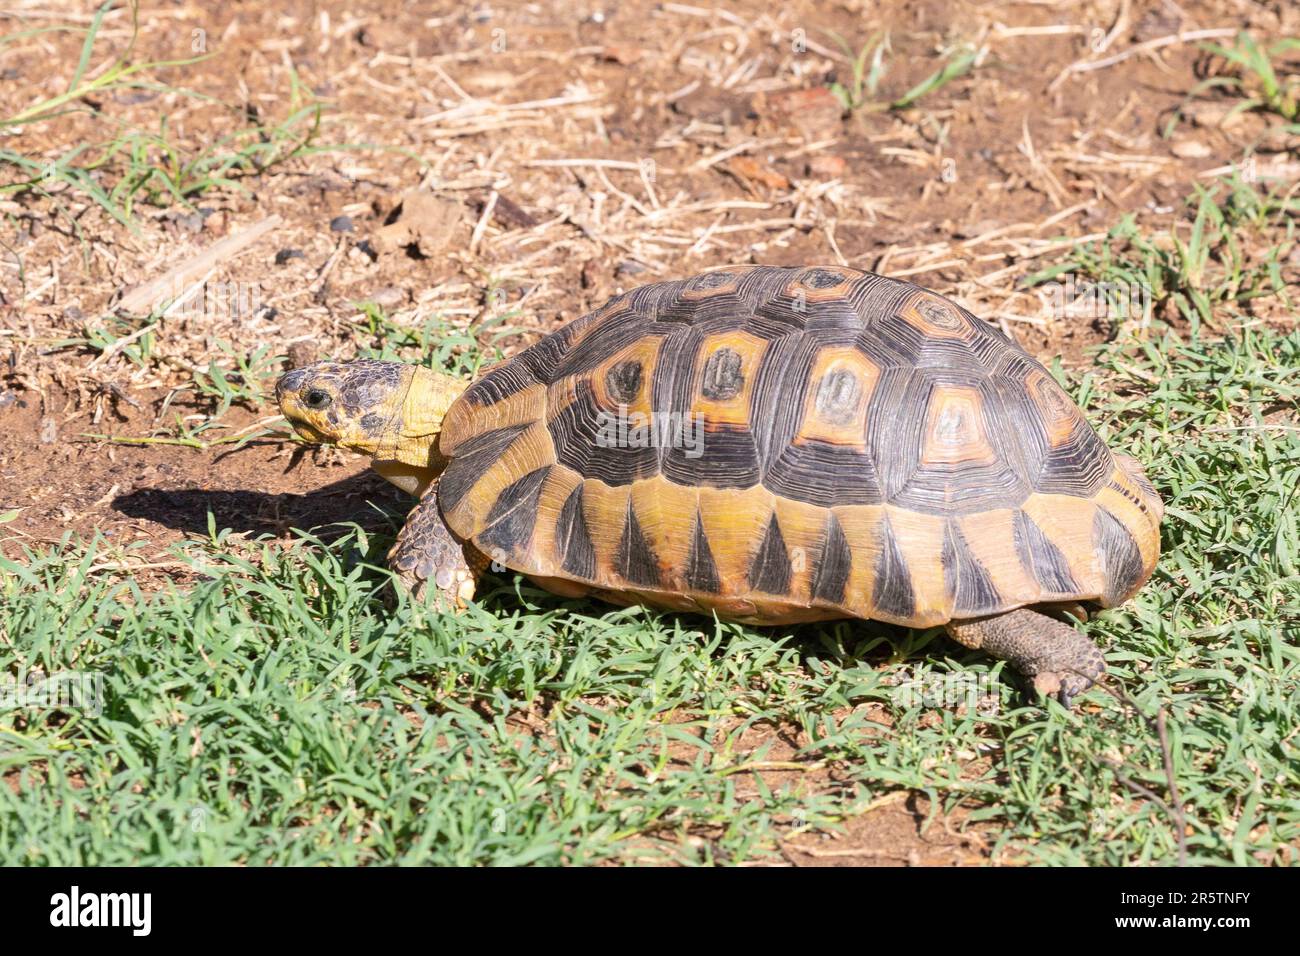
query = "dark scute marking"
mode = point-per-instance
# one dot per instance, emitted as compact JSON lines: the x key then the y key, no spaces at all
{"x":722,"y":379}
{"x":473,"y":459}
{"x":1080,"y":467}
{"x":939,"y":313}
{"x":892,"y":590}
{"x":701,"y":571}
{"x":966,"y":580}
{"x":712,"y":280}
{"x":623,"y":381}
{"x":728,"y":460}
{"x":1145,"y":484}
{"x":821,"y":279}
{"x":838,"y":397}
{"x":372,"y":423}
{"x":771,"y":569}
{"x":500,"y":384}
{"x":810,"y":470}
{"x":634,"y":561}
{"x":1042,"y":559}
{"x":832,"y":574}
{"x":1119,"y":553}
{"x":589,"y":440}
{"x":510,"y":523}
{"x":896,"y":436}
{"x":573,"y":540}
{"x":820,"y":473}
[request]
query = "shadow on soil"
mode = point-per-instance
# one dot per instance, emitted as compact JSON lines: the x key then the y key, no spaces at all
{"x":365,"y":499}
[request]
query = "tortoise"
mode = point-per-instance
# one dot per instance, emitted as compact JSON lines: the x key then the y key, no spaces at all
{"x":770,"y":445}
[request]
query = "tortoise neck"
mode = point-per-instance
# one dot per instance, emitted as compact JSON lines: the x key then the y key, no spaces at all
{"x":409,"y":455}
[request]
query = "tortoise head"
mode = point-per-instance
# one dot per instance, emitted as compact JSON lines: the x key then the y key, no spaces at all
{"x":389,"y":411}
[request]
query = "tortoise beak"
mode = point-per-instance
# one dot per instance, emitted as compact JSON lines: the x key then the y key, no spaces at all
{"x":290,"y":385}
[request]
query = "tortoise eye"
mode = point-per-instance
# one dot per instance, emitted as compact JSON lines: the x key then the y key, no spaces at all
{"x":316,"y":399}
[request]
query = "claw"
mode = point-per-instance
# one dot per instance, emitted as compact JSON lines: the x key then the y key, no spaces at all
{"x":1064,"y":687}
{"x":1048,"y":684}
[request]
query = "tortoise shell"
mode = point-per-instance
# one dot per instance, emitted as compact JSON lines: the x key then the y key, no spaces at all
{"x":780,"y":444}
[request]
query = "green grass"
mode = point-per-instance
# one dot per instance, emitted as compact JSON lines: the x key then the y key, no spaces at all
{"x":134,"y":165}
{"x":1259,"y":77}
{"x":270,"y":708}
{"x":1229,"y":253}
{"x":871,"y":63}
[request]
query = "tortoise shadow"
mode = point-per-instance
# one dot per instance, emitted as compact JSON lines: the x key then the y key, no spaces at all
{"x":368,"y":500}
{"x":364,"y":499}
{"x":843,"y":640}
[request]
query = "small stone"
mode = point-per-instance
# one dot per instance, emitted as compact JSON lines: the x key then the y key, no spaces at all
{"x":973,"y":229}
{"x":629,"y":267}
{"x":49,"y":431}
{"x":511,"y":215}
{"x":1210,"y":115}
{"x":816,"y":113}
{"x":621,"y":53}
{"x":388,"y":297}
{"x":1190,"y":149}
{"x":827,"y":166}
{"x":1279,"y":139}
{"x":341,"y":224}
{"x":750,"y":170}
{"x":713,"y":105}
{"x":426,"y":223}
{"x":284,"y":255}
{"x":301,"y":353}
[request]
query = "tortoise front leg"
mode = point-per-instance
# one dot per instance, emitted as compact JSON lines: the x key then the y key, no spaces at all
{"x":426,"y":552}
{"x":1059,"y":659}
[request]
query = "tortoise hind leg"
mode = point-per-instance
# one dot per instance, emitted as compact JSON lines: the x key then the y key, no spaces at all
{"x":1059,"y":659}
{"x":427,"y":558}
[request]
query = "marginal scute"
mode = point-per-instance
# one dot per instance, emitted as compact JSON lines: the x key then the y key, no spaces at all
{"x":509,"y":524}
{"x":771,"y":569}
{"x":833,"y":564}
{"x":1120,"y":557}
{"x":792,"y":445}
{"x":576,"y":554}
{"x":969,"y":585}
{"x":1042,"y":559}
{"x":474,"y":458}
{"x":701,"y":571}
{"x":893,"y":594}
{"x":634,"y":562}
